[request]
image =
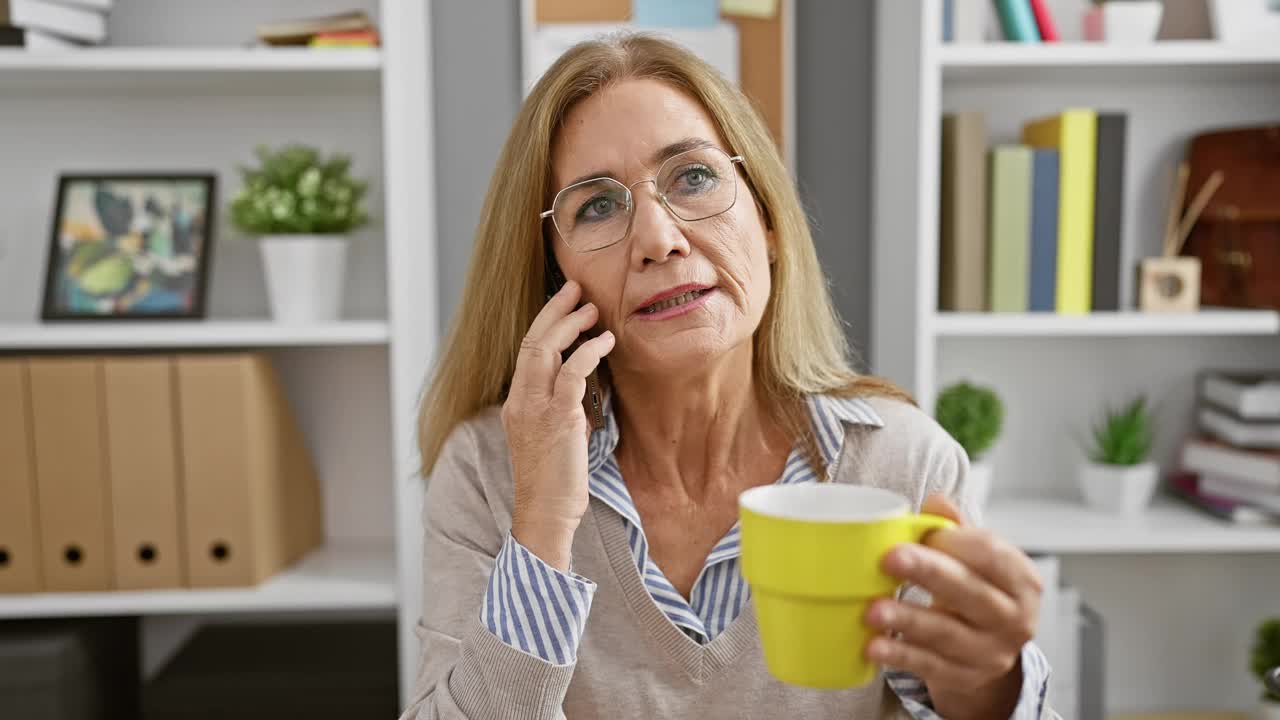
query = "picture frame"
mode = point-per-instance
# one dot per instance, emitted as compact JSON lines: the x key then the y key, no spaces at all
{"x":1245,"y":22}
{"x":130,"y":246}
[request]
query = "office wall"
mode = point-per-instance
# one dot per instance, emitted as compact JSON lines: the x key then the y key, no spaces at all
{"x":477,"y":93}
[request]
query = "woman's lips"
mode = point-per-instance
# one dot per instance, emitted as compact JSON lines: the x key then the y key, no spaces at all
{"x":682,"y":304}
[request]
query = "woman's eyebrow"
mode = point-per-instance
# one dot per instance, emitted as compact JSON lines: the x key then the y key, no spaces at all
{"x":667,"y":151}
{"x":679,"y":146}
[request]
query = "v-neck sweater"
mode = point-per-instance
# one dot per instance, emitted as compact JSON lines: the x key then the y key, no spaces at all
{"x":632,"y":661}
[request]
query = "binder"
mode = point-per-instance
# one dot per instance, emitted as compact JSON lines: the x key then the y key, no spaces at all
{"x":142,"y":456}
{"x":251,"y":502}
{"x":71,"y":480}
{"x":19,"y":540}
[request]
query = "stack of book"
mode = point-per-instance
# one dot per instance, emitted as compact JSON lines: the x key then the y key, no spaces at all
{"x":350,"y":29}
{"x":53,"y":24}
{"x":1033,"y":225}
{"x":1231,"y":468}
{"x":963,"y":21}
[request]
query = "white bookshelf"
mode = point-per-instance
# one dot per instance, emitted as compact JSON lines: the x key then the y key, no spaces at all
{"x":337,"y":577}
{"x":1055,"y":374}
{"x":21,"y":337}
{"x":1066,"y":527}
{"x":1107,"y":324}
{"x":178,"y":90}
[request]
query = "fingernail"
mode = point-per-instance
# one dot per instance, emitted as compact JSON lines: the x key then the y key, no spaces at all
{"x":905,"y":558}
{"x":608,"y":335}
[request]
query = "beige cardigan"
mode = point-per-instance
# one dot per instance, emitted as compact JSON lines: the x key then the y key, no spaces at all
{"x":632,"y":661}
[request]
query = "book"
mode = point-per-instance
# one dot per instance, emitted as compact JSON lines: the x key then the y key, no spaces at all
{"x":962,"y":282}
{"x":299,"y":31}
{"x":354,"y":38}
{"x":1210,"y":456}
{"x":1074,"y":134}
{"x":1108,"y":209}
{"x":1250,"y":396}
{"x":1232,"y":489}
{"x":49,"y":17}
{"x":1240,"y":433}
{"x":968,"y":21}
{"x":1044,"y":230}
{"x":1186,"y":487}
{"x":1044,"y":21}
{"x":1017,"y":21}
{"x":1009,"y":223}
{"x":34,"y":39}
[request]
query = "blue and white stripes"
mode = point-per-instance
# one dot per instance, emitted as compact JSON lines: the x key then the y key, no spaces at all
{"x":543,"y":612}
{"x":534,"y":607}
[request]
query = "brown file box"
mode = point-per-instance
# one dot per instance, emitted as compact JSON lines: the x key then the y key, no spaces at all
{"x":142,"y":455}
{"x":71,"y":482}
{"x":19,"y":541}
{"x":250,"y":497}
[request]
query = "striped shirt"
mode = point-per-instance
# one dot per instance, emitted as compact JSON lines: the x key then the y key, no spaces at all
{"x":541,"y":611}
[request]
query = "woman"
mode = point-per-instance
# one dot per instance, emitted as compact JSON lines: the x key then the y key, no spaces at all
{"x":584,"y":571}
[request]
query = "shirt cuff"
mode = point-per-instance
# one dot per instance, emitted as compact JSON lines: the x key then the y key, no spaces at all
{"x":534,"y":607}
{"x":913,"y":694}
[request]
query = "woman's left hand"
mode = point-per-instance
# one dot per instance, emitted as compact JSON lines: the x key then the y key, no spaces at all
{"x":967,"y":645}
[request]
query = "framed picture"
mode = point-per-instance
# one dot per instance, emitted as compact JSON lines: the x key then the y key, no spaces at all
{"x":130,"y":247}
{"x":1246,"y":22}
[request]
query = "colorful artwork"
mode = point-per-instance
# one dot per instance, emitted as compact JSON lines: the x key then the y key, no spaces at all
{"x":130,"y":247}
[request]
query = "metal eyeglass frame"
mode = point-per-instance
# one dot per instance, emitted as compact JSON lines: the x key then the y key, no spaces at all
{"x":631,"y":216}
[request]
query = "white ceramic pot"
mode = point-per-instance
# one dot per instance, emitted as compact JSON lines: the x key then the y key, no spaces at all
{"x":305,"y":276}
{"x":979,"y":481}
{"x":1121,"y":489}
{"x":1132,"y":22}
{"x":1267,"y":710}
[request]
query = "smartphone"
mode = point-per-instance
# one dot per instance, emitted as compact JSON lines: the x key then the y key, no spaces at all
{"x":592,"y":400}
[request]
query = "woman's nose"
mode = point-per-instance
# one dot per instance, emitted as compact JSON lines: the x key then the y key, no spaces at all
{"x":656,"y":234}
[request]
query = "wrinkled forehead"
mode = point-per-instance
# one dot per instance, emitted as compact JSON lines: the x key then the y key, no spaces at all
{"x":626,"y":130}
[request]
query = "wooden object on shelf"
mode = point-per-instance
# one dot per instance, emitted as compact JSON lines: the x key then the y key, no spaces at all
{"x":1237,"y":238}
{"x":71,"y":481}
{"x":139,"y":407}
{"x":1169,"y":284}
{"x":19,"y":540}
{"x":251,"y":501}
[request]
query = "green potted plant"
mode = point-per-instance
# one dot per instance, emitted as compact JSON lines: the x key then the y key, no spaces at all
{"x":303,"y":206}
{"x":1119,"y":475}
{"x":973,"y":415}
{"x":1264,"y":658}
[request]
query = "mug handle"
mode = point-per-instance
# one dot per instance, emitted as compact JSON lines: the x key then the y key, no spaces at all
{"x":924,"y":523}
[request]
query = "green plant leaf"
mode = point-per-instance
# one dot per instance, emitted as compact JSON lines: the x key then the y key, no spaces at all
{"x":972,"y":415}
{"x":1265,"y":653}
{"x":1124,"y":436}
{"x":294,"y":189}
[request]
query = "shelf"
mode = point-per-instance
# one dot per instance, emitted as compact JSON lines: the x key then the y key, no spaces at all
{"x":333,"y":578}
{"x":195,"y":334}
{"x":1173,"y":60}
{"x":1120,"y":324}
{"x":1168,"y":526}
{"x":166,"y":69}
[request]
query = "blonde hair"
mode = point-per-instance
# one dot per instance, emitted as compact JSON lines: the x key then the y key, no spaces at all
{"x":799,"y":348}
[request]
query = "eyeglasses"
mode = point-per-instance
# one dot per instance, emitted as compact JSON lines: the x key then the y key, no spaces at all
{"x":693,"y":185}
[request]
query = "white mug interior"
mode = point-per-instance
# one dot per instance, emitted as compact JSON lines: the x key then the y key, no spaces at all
{"x":823,"y":502}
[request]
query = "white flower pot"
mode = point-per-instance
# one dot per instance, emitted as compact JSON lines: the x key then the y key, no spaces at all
{"x":305,"y":276}
{"x":979,"y":481}
{"x":1120,"y":489}
{"x":1132,"y":22}
{"x":1267,"y":710}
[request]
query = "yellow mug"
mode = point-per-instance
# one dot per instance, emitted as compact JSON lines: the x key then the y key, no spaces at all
{"x":811,"y":553}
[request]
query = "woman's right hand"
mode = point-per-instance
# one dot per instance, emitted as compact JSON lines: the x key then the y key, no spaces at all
{"x":547,"y":428}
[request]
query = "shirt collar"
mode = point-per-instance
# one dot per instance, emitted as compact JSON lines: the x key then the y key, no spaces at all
{"x":830,"y":414}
